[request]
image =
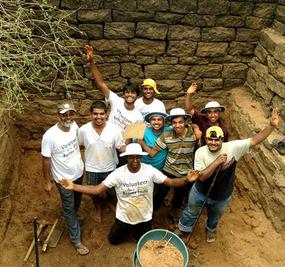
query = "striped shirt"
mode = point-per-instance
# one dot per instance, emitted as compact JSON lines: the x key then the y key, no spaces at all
{"x":180,"y":157}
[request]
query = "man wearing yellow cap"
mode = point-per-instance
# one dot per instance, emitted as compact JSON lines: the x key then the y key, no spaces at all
{"x":148,"y":103}
{"x":217,"y":159}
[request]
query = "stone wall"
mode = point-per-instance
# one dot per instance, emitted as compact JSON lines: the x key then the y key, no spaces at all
{"x":266,"y":75}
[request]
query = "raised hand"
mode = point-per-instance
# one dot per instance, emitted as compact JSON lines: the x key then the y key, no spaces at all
{"x":192,"y":88}
{"x":192,"y":175}
{"x":90,"y":53}
{"x":274,"y":121}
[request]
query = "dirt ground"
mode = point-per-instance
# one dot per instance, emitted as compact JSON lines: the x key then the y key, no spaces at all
{"x":245,"y":236}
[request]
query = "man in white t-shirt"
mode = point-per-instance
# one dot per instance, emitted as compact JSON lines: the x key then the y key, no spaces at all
{"x":216,"y":195}
{"x":100,"y":140}
{"x":123,"y":111}
{"x":148,"y":103}
{"x":62,"y":160}
{"x":134,"y":183}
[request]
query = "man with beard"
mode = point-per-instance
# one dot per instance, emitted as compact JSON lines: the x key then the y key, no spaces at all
{"x":148,"y":103}
{"x":61,"y":159}
{"x":123,"y":111}
{"x":100,"y":140}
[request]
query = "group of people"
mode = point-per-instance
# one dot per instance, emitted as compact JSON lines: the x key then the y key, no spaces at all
{"x":181,"y":150}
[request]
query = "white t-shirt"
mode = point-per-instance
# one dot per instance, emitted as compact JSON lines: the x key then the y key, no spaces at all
{"x":121,"y":116}
{"x":155,"y":106}
{"x":100,"y":150}
{"x":63,"y":149}
{"x":134,"y":192}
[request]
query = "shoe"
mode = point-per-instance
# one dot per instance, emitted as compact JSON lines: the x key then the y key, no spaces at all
{"x":210,"y":236}
{"x":279,"y":145}
{"x":81,"y":249}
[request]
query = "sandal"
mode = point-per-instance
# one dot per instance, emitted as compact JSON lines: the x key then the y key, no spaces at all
{"x":81,"y":249}
{"x":279,"y":145}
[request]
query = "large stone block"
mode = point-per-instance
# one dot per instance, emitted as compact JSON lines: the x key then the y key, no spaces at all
{"x":279,"y":53}
{"x":119,"y":30}
{"x":265,"y":10}
{"x":146,"y":47}
{"x":241,"y":48}
{"x":209,"y":49}
{"x":167,"y":60}
{"x":230,"y":21}
{"x":257,"y":23}
{"x":193,"y":60}
{"x":276,"y":69}
{"x":171,"y":72}
{"x":269,"y":39}
{"x":129,"y":70}
{"x":280,"y":13}
{"x":261,"y":53}
{"x":92,"y":31}
{"x":199,"y":20}
{"x":218,"y":34}
{"x":275,"y":86}
{"x":94,"y":16}
{"x":109,"y":70}
{"x":82,"y":4}
{"x":235,"y":71}
{"x":278,"y":26}
{"x":151,"y":30}
{"x":205,"y":71}
{"x":252,"y":78}
{"x":118,"y":59}
{"x":121,"y":15}
{"x":247,"y":35}
{"x":260,"y":69}
{"x":264,"y":92}
{"x":180,"y":32}
{"x":169,"y":85}
{"x":181,"y":48}
{"x":153,"y":5}
{"x":213,"y":7}
{"x":145,"y":60}
{"x":110,"y":47}
{"x":241,"y":8}
{"x":212,"y":84}
{"x":168,"y":18}
{"x":129,"y":5}
{"x":232,"y":83}
{"x":182,"y":6}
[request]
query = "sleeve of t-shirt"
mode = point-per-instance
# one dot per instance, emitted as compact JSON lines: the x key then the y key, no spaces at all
{"x":111,"y":180}
{"x":199,"y":162}
{"x":239,"y":147}
{"x":160,"y":143}
{"x":196,"y":118}
{"x":113,"y":98}
{"x":158,"y":176}
{"x":119,"y":141}
{"x":80,"y":136}
{"x":46,"y":146}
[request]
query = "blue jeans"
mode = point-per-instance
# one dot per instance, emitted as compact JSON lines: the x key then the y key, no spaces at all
{"x":70,"y":201}
{"x":190,"y":214}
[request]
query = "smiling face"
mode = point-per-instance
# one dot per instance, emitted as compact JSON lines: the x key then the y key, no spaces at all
{"x":214,"y":144}
{"x":179,"y":125}
{"x":148,"y":92}
{"x":130,"y":96}
{"x":157,"y":123}
{"x":66,"y":119}
{"x":99,"y":117}
{"x":213,"y":114}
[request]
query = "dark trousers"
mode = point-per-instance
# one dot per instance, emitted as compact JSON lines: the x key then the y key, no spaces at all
{"x":161,"y":191}
{"x":120,"y":231}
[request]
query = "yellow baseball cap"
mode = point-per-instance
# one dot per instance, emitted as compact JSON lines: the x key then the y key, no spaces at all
{"x":214,"y":132}
{"x":151,"y":83}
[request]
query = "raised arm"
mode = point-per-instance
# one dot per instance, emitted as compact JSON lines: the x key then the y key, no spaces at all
{"x":192,"y":175}
{"x":274,"y":122}
{"x":188,"y":101}
{"x":86,"y":189}
{"x":96,"y":73}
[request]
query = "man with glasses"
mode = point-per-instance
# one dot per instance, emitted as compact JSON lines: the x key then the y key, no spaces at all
{"x":61,"y":159}
{"x":218,"y":159}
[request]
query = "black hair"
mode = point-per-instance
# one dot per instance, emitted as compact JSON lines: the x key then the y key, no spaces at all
{"x":131,"y":87}
{"x":98,"y":104}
